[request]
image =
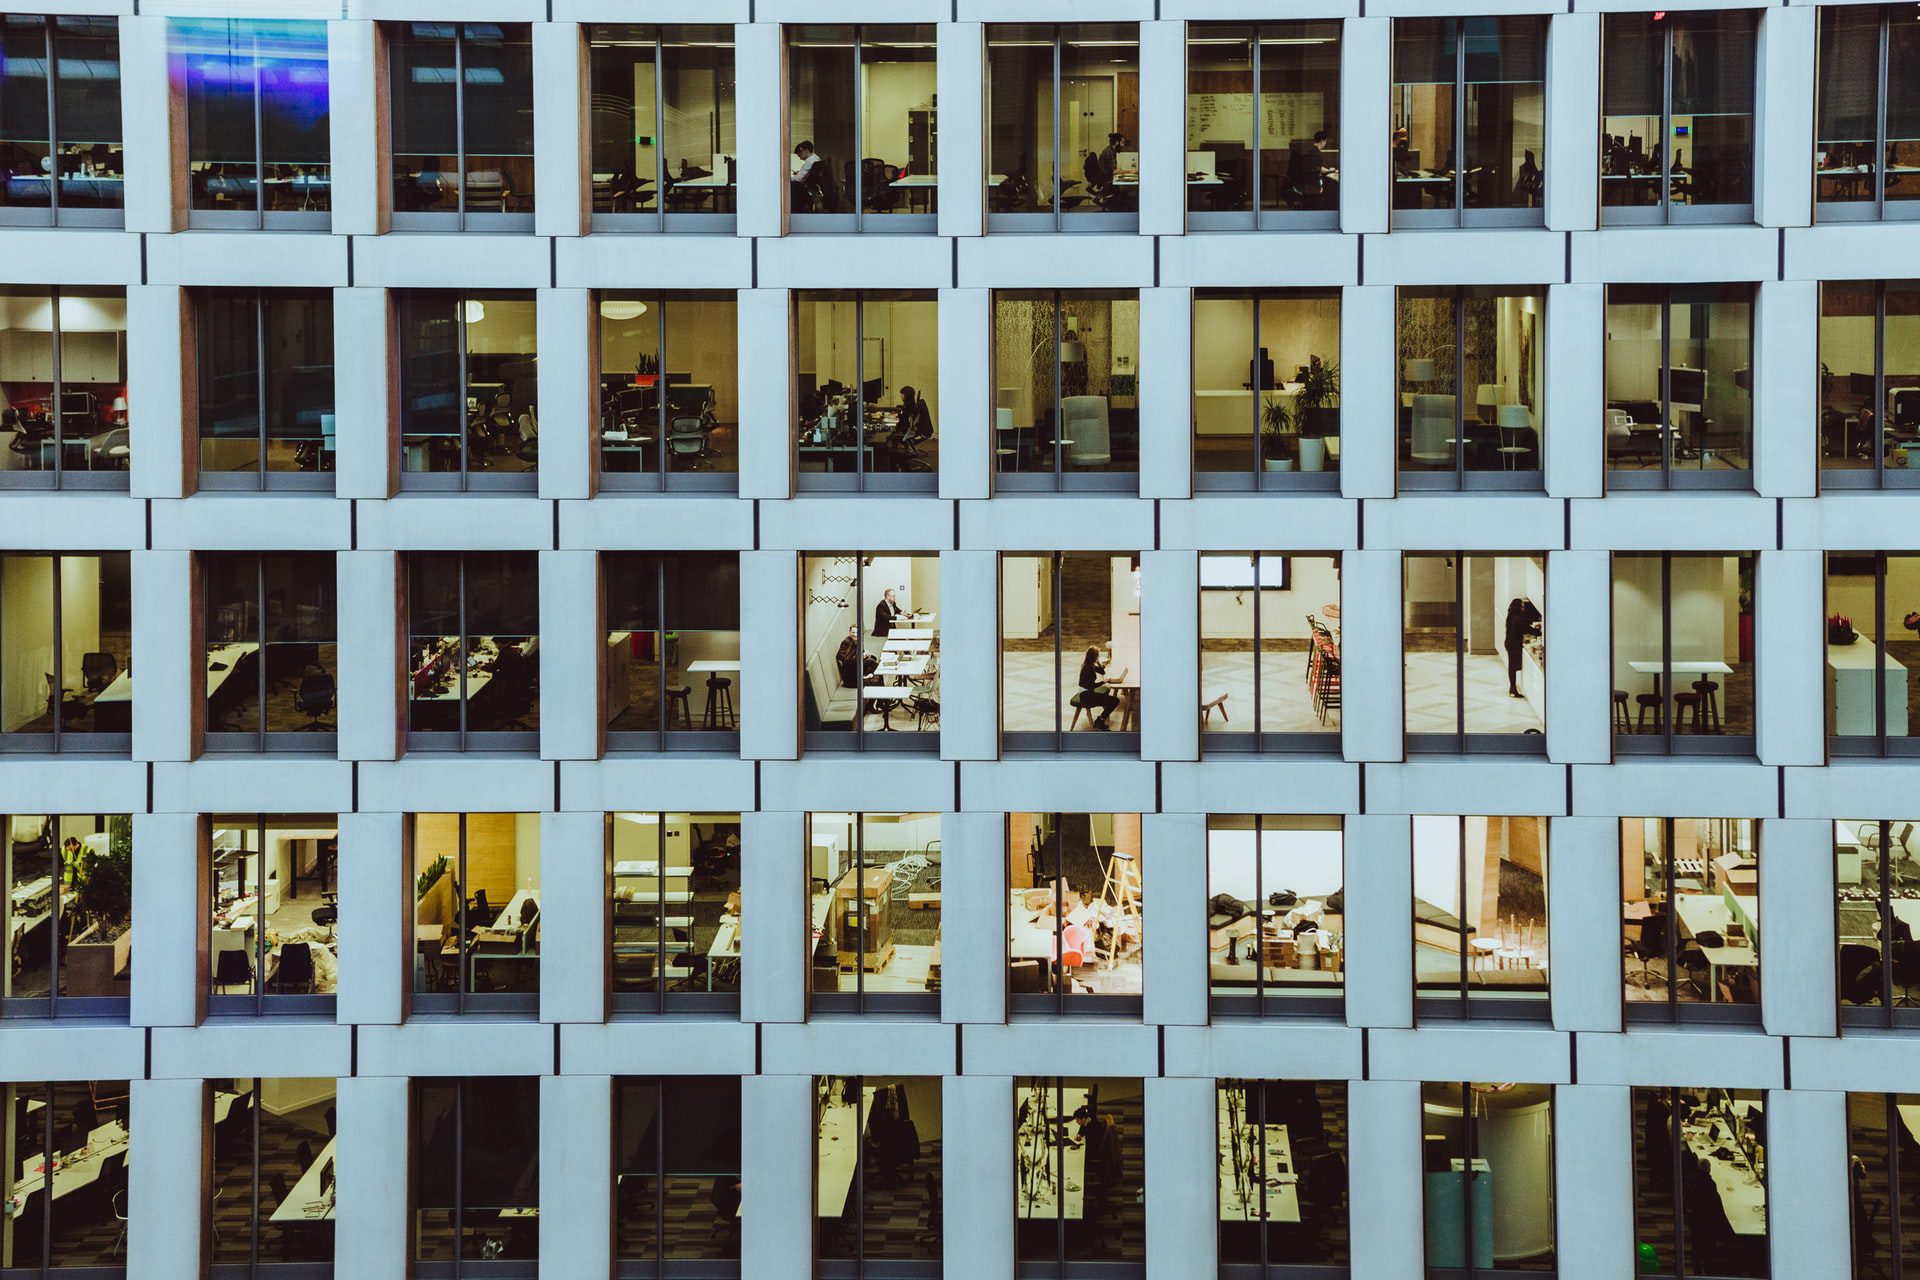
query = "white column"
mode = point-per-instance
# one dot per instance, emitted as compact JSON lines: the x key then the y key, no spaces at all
{"x":576,"y":1184}
{"x":1379,"y":942}
{"x":169,"y":980}
{"x":366,"y":395}
{"x":167,"y":1178}
{"x":1573,"y":124}
{"x":1809,"y":1197}
{"x":776,"y":1198}
{"x":356,"y":127}
{"x":1370,"y":406}
{"x":376,"y":919}
{"x":966,"y":402}
{"x":1366,"y":142}
{"x":371,"y":1191}
{"x":1170,"y":655}
{"x":160,"y":454}
{"x":1573,"y":428}
{"x":970,"y":654}
{"x":1163,"y":133}
{"x":973,"y":922}
{"x":1173,"y":879}
{"x":573,"y":887}
{"x":164,"y":711}
{"x":1593,"y":1181}
{"x":769,"y":707}
{"x":1786,"y":398}
{"x":1583,"y":943}
{"x":1383,"y":1166}
{"x":1790,"y":654}
{"x":774,"y":956}
{"x":153,"y":128}
{"x":1371,"y":639}
{"x":1783,"y":117}
{"x":1797,"y":960}
{"x":961,"y":77}
{"x":1166,"y":389}
{"x":766,"y":390}
{"x":568,"y":406}
{"x":370,"y":650}
{"x":562,"y":204}
{"x":1579,"y":657}
{"x":760,"y":133}
{"x":976,"y":1176}
{"x":573,"y":646}
{"x":1183,"y":1177}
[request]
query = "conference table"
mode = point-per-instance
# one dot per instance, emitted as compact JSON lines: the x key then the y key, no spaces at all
{"x":1742,"y":1193}
{"x":841,"y":1135}
{"x":1240,"y":1193}
{"x":311,"y":1198}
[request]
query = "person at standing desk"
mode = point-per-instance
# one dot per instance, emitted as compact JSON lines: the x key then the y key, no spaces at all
{"x":888,"y":614}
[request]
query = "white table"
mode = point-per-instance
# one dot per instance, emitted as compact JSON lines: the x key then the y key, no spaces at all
{"x":75,"y":1169}
{"x":1655,"y":668}
{"x":306,"y":1202}
{"x":1851,"y":676}
{"x":888,"y":696}
{"x":1034,"y":1194}
{"x":841,"y":1135}
{"x":912,"y":633}
{"x":709,"y":665}
{"x":225,"y":657}
{"x":1282,"y":1179}
{"x":1907,"y":911}
{"x":1742,"y":1194}
{"x":1700,"y":912}
{"x":1910,"y":1117}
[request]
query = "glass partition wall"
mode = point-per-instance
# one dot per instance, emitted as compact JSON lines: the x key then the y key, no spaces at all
{"x":1276,"y":915}
{"x":1866,"y":146}
{"x":1472,"y":387}
{"x":1475,"y":658}
{"x":669,"y":390}
{"x":1263,"y":111}
{"x":674,"y":941}
{"x":1063,"y":126}
{"x":1877,"y":906}
{"x":1070,"y":660}
{"x":1067,"y":389}
{"x":1870,"y":383}
{"x":1690,"y":911}
{"x":1679,"y":386}
{"x":1075,"y":929}
{"x":862,"y":128}
{"x":258,"y":149}
{"x":63,"y":388}
{"x":873,"y":883}
{"x":663,"y":152}
{"x":1469,"y":121}
{"x":60,"y":122}
{"x":866,"y":389}
{"x":1266,"y":389}
{"x":68,"y":915}
{"x":1269,"y":652}
{"x":1480,"y":944}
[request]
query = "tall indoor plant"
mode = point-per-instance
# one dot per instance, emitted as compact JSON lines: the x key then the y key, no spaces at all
{"x":1317,"y":412}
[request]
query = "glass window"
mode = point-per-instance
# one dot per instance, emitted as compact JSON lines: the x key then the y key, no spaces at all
{"x":274,"y":912}
{"x":676,"y":1192}
{"x":473,"y":659}
{"x":1679,"y":374}
{"x":1480,"y":916}
{"x":1700,"y":1182}
{"x":1869,"y":372}
{"x":1488,"y":1170}
{"x":1472,"y":87}
{"x":675,"y":937}
{"x":258,"y":149}
{"x":476,"y":912}
{"x":1075,"y":940}
{"x":876,"y":1172}
{"x":1869,"y":694}
{"x":66,"y":650}
{"x":71,"y":126}
{"x":669,"y":370}
{"x":1881,"y":1181}
{"x":1067,"y":402}
{"x":866,"y":388}
{"x":874,"y":911}
{"x":1287,"y":169}
{"x":462,"y":122}
{"x":1676,"y":132}
{"x":1070,"y":667}
{"x":68,"y":911}
{"x":1260,"y":627}
{"x":469,"y":390}
{"x":663,"y":124}
{"x":1877,"y":906}
{"x":81,"y":1129}
{"x":1690,"y":906}
{"x":63,"y":387}
{"x":1283,"y":1177}
{"x":672,"y":619}
{"x":1866,"y":147}
{"x":1683,"y":654}
{"x":871,"y":662}
{"x":1475,"y":654}
{"x":271,"y":1163}
{"x":269,"y":633}
{"x":476,"y":1174}
{"x":1266,"y":389}
{"x":1063,"y":127}
{"x":1276,"y":914}
{"x":1079,"y":1172}
{"x":265,"y":370}
{"x":1472,"y":400}
{"x":861,"y":128}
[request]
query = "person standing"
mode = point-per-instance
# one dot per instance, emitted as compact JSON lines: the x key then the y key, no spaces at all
{"x":1523,"y":620}
{"x":888,"y":614}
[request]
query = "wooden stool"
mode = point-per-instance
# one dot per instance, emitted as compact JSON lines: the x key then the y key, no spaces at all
{"x":1622,"y":722}
{"x":1706,"y":717}
{"x":719,"y":714}
{"x":1647,"y":702}
{"x":1207,"y":707}
{"x":677,"y":700}
{"x":1683,"y":703}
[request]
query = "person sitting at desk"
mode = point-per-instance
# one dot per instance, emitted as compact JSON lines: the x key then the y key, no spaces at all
{"x":801,"y":176}
{"x":1402,"y":153}
{"x":1093,"y":692}
{"x":887,"y":614}
{"x":852,"y":665}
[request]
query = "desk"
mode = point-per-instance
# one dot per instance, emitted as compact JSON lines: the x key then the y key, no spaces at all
{"x":710,"y":665}
{"x":1043,"y":1151}
{"x":1742,"y":1194}
{"x":913,"y":633}
{"x":842,"y":1133}
{"x":1698,"y":913}
{"x":1240,"y":1192}
{"x":306,"y":1202}
{"x":888,"y":696}
{"x":73,"y":1170}
{"x":1850,"y":684}
{"x":1910,"y":1119}
{"x":1654,"y":669}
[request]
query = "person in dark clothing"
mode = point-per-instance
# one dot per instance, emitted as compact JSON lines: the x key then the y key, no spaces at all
{"x":1523,"y":620}
{"x":848,"y":658}
{"x":1106,"y":1163}
{"x":1093,"y":693}
{"x":888,"y":614}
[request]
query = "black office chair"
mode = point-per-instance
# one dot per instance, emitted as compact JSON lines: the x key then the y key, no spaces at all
{"x":234,"y":968}
{"x":1859,"y":974}
{"x":296,"y":967}
{"x":479,"y":913}
{"x":315,"y":698}
{"x":98,"y":670}
{"x":1651,"y":945}
{"x":327,"y":917}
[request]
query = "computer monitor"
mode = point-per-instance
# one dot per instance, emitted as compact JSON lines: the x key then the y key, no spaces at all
{"x":1261,"y":371}
{"x":1686,"y":388}
{"x":1904,"y":406}
{"x":872,"y":389}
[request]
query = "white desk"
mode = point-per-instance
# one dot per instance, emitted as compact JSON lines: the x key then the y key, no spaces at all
{"x":1034,"y":1192}
{"x":1282,"y":1179}
{"x":911,"y":633}
{"x":709,"y":665}
{"x":73,"y":1170}
{"x":841,"y":1135}
{"x":1850,"y":682}
{"x":1910,"y":1118}
{"x":1654,"y":669}
{"x":1742,"y":1194}
{"x":1700,"y":912}
{"x":305,"y":1202}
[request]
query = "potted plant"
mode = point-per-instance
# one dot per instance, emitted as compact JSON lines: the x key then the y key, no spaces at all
{"x":100,"y":920}
{"x":1277,"y":428}
{"x":1316,"y":409}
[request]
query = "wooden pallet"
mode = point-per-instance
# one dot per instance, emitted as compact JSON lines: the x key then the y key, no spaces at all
{"x":877,"y":959}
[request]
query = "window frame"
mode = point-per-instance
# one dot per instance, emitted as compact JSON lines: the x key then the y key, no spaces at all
{"x":1260,"y":740}
{"x":1462,"y":741}
{"x":413,"y":305}
{"x":862,"y":478}
{"x":1876,"y":207}
{"x":661,"y":1001}
{"x":459,"y":218}
{"x":1061,"y":1002}
{"x":1668,"y":477}
{"x":46,"y":1092}
{"x":1458,"y":476}
{"x":1673,"y":1011}
{"x":54,"y":1005}
{"x":53,"y":214}
{"x":1328,"y":1000}
{"x":260,"y":477}
{"x":1888,"y":1014}
{"x":244,"y":38}
{"x":459,"y":1266}
{"x":663,"y":478}
{"x":1674,"y":1195}
{"x":1055,"y":218}
{"x":260,"y":1000}
{"x":662,"y":220}
{"x":1057,"y":477}
{"x":859,"y":221}
{"x":854,"y":1264}
{"x":661,"y":738}
{"x":1665,"y":210}
{"x":1465,"y":1003}
{"x":60,"y":476}
{"x":461,"y":1002}
{"x":1459,"y":213}
{"x":921,"y":740}
{"x":460,"y":739}
{"x":1880,"y":475}
{"x":1880,"y":743}
{"x":860,"y":1001}
{"x":1258,"y":218}
{"x":1257,"y":477}
{"x":1669,"y":742}
{"x":259,"y":1265}
{"x":261,"y":739}
{"x":1061,"y":739}
{"x":661,"y":1266}
{"x":60,"y":740}
{"x":1471,"y":1118}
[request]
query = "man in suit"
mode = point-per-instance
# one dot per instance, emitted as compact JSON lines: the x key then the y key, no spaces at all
{"x":887,"y":614}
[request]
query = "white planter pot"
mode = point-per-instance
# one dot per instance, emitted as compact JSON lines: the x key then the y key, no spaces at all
{"x":1313,"y":453}
{"x":1276,"y":464}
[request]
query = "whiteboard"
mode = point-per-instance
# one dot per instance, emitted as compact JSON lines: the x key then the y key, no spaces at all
{"x":1228,"y":117}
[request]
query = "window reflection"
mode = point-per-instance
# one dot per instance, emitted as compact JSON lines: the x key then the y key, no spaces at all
{"x":258,"y":149}
{"x":1877,"y":892}
{"x":1288,"y":167}
{"x":876,"y":1171}
{"x":265,"y":389}
{"x":1063,"y":126}
{"x":1472,"y":88}
{"x":1869,"y":383}
{"x":473,"y":649}
{"x":462,"y":123}
{"x":1870,"y":652}
{"x":677,"y":1168}
{"x":1677,"y":103}
{"x":469,"y":390}
{"x":476,"y":1170}
{"x":61,"y":150}
{"x":861,"y":127}
{"x":1472,"y":400}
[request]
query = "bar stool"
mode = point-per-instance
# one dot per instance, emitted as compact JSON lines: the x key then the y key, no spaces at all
{"x":677,"y":701}
{"x":1647,"y":702}
{"x":1683,"y":704}
{"x":1622,"y":722}
{"x":719,"y":704}
{"x":1707,"y":716}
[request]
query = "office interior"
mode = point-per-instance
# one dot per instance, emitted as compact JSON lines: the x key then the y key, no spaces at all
{"x":1699,"y":1182}
{"x":476,"y":903}
{"x":66,"y":644}
{"x":77,"y":339}
{"x":1253,"y":358}
{"x":1298,"y":96}
{"x":874,"y":903}
{"x":1851,"y":124}
{"x":662,"y":118}
{"x":269,"y":629}
{"x":1276,"y":912}
{"x":1869,"y":372}
{"x":476,"y":1170}
{"x":1092,"y":94}
{"x":274,"y":912}
{"x":1690,"y":351}
{"x":68,"y":907}
{"x":676,"y":902}
{"x":83,"y":151}
{"x":271,"y":1165}
{"x":1463,"y":617}
{"x":673,"y":644}
{"x":1075,"y":921}
{"x":1482,"y":343}
{"x":1487,"y":1170}
{"x":473,"y":656}
{"x":857,"y":676}
{"x":1499,"y":94}
{"x":1690,"y":910}
{"x":1480,"y":907}
{"x":1079,"y":1170}
{"x":854,"y":357}
{"x":677,"y":1168}
{"x":1871,"y":652}
{"x":876,"y":1170}
{"x":669,"y":371}
{"x":256,"y":104}
{"x":1877,"y":892}
{"x":1058,"y":614}
{"x":469,"y":383}
{"x":1269,"y":646}
{"x":79,"y":1221}
{"x":265,"y":380}
{"x":869,"y":129}
{"x":1708,"y":103}
{"x":462,"y":143}
{"x":1067,"y":382}
{"x":1884,"y":1182}
{"x":1683,"y":645}
{"x":1283,"y":1174}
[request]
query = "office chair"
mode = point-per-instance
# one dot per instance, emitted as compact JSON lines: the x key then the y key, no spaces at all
{"x":1859,"y":974}
{"x":687,"y":439}
{"x":1651,"y":945}
{"x":119,"y":1203}
{"x":326,"y":916}
{"x":98,"y":670}
{"x":315,"y":698}
{"x":480,"y":913}
{"x":296,"y":966}
{"x":233,"y":969}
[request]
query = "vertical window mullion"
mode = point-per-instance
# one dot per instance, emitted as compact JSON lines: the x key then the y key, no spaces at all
{"x":1059,"y":675}
{"x":259,"y":992}
{"x":1880,"y":649}
{"x":660,"y":1170}
{"x":462,"y":420}
{"x":1259,"y":941}
{"x":1257,"y":1113}
{"x":1460,"y":387}
{"x":58,"y":694}
{"x":260,"y":348}
{"x":1460,"y":653}
{"x":1466,"y":947}
{"x":1255,"y":188}
{"x":859,"y":175}
{"x":53,"y":182}
{"x":1058,"y":214}
{"x":59,"y":405}
{"x":1676,"y":1175}
{"x":253,"y":1164}
{"x":1259,"y":740}
{"x":459,"y":1129}
{"x":1886,"y":923}
{"x":260,"y":657}
{"x":1668,"y":706}
{"x":461,"y":656}
{"x":660,"y":382}
{"x":860,"y":638}
{"x":860,"y":911}
{"x":1254,"y":359}
{"x":259,"y":141}
{"x":460,"y":910}
{"x":46,"y":1150}
{"x":1894,"y":1241}
{"x":1880,"y":206}
{"x":1059,"y":329}
{"x":1879,"y":383}
{"x":660,"y":673}
{"x":460,"y":147}
{"x":1673,"y":922}
{"x":1666,"y":139}
{"x":1459,"y":130}
{"x":660,"y":198}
